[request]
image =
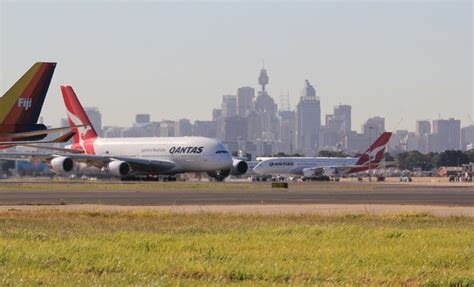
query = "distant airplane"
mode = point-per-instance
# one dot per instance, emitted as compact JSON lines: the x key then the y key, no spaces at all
{"x":128,"y":157}
{"x":315,"y":166}
{"x":20,"y":108}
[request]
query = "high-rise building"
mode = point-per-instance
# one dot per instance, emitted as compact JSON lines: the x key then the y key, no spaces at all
{"x":338,"y":125}
{"x":264,"y":121}
{"x":229,"y":106}
{"x":183,"y":128}
{"x":308,"y":120}
{"x":355,"y":142}
{"x":234,"y":129}
{"x":287,"y":131}
{"x":467,"y":136}
{"x":206,"y":129}
{"x":423,"y":130}
{"x":245,"y":101}
{"x":402,"y":141}
{"x":423,"y":127}
{"x":373,"y":127}
{"x":95,"y":117}
{"x":447,"y":134}
{"x":113,"y":132}
{"x":142,"y":119}
{"x":344,"y":113}
{"x":216,"y":114}
{"x":167,"y":128}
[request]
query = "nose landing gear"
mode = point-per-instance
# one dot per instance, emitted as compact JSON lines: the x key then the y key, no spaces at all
{"x":219,"y":175}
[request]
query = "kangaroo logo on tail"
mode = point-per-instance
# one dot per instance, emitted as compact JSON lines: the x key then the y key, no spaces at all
{"x":85,"y":135}
{"x":376,"y":151}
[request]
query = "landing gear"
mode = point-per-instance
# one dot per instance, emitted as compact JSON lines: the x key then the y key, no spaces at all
{"x":169,"y":178}
{"x":219,"y":175}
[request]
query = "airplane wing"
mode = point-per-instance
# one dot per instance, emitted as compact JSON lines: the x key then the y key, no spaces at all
{"x":137,"y":165}
{"x":60,"y":139}
{"x":38,"y":132}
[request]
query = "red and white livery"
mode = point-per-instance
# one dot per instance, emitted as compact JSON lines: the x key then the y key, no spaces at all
{"x":124,"y":157}
{"x":314,"y":166}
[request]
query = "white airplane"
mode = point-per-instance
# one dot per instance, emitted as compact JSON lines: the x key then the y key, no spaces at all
{"x":314,"y":166}
{"x":128,"y":157}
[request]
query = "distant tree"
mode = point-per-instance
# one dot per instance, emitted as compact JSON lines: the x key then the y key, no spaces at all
{"x":329,"y":153}
{"x":452,"y":158}
{"x":432,"y":157}
{"x":414,"y":159}
{"x":388,"y":157}
{"x":470,"y":155}
{"x":297,"y":155}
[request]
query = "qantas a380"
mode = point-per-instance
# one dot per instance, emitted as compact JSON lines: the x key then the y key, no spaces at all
{"x":314,"y":166}
{"x":129,"y":157}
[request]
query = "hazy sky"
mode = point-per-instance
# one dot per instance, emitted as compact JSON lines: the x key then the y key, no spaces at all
{"x":401,"y":60}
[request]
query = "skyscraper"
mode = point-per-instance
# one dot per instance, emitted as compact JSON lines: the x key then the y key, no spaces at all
{"x":287,"y":126}
{"x":423,"y":127}
{"x":229,"y":106}
{"x":142,"y":119}
{"x":343,"y":114}
{"x":264,"y":121}
{"x":308,"y":120}
{"x":183,"y":128}
{"x":423,"y":131}
{"x":447,"y":134}
{"x":467,"y":136}
{"x":245,"y":101}
{"x":373,"y":127}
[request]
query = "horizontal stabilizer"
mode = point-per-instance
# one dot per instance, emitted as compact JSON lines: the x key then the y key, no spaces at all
{"x":39,"y":132}
{"x":60,"y":139}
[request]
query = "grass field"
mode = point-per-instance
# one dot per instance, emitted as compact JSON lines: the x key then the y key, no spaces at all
{"x":156,"y":248}
{"x":173,"y":186}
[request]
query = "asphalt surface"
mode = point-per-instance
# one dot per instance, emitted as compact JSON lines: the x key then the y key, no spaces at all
{"x":383,"y":194}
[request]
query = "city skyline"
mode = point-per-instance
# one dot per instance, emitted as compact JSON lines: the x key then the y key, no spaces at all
{"x":355,"y":54}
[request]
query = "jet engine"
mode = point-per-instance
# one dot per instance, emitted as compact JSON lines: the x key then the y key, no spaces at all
{"x":61,"y":164}
{"x":239,"y":167}
{"x":119,"y":168}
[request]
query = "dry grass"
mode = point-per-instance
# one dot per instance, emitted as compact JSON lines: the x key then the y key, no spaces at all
{"x":143,"y":248}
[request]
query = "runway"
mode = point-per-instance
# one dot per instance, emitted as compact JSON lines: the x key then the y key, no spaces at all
{"x":337,"y":193}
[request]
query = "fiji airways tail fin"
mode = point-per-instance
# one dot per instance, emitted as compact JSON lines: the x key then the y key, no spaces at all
{"x":77,"y":117}
{"x":21,"y":105}
{"x":376,"y":151}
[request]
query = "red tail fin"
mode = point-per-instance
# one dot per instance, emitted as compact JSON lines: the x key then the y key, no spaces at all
{"x":77,"y":116}
{"x":375,"y":152}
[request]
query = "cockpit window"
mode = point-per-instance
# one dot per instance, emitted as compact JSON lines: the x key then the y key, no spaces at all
{"x":221,"y":151}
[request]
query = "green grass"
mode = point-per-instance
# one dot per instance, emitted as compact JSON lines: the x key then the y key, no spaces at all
{"x":156,"y":248}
